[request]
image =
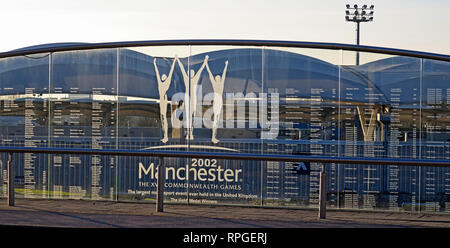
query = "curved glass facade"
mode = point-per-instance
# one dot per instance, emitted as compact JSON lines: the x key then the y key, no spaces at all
{"x":224,"y":98}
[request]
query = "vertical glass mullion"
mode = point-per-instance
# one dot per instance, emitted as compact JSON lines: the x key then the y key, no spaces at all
{"x":339,"y":128}
{"x":263,"y":164}
{"x":420,"y":131}
{"x":49,"y":123}
{"x":188,"y":120}
{"x":116,"y":165}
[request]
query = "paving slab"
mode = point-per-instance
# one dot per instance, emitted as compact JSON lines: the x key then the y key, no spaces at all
{"x":102,"y":214}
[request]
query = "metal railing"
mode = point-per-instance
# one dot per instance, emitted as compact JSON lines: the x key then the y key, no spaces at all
{"x":231,"y":156}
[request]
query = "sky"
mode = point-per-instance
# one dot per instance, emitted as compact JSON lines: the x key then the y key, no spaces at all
{"x":419,"y":25}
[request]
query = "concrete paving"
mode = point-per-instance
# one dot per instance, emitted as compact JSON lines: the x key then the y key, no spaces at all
{"x":99,"y":214}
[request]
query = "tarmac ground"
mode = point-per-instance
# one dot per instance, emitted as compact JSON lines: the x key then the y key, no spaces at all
{"x":101,"y":214}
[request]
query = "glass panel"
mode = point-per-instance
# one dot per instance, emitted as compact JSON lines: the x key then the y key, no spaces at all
{"x":435,"y":186}
{"x":83,"y":115}
{"x":226,"y":92}
{"x":24,"y":119}
{"x":151,"y":95}
{"x":380,"y":118}
{"x":304,"y":84}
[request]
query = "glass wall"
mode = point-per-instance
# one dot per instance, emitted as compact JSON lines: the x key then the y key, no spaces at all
{"x":302,"y":87}
{"x":24,"y":118}
{"x":381,"y":118}
{"x":434,"y":188}
{"x":264,"y":100}
{"x":148,"y":82}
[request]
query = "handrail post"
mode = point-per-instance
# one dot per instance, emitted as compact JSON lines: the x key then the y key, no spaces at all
{"x":10,"y":181}
{"x":323,"y":193}
{"x":160,"y":186}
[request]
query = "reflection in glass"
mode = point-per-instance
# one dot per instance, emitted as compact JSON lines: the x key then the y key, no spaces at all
{"x":226,"y":103}
{"x":151,"y":115}
{"x":435,"y":188}
{"x":306,"y":84}
{"x":24,"y":116}
{"x":229,"y":99}
{"x":84,"y":104}
{"x":381,"y":118}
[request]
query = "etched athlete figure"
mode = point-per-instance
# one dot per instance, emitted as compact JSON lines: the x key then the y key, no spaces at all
{"x":163,"y":86}
{"x":218,"y":84}
{"x":195,"y":77}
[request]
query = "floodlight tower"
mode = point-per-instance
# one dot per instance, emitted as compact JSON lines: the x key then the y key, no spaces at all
{"x":358,"y":15}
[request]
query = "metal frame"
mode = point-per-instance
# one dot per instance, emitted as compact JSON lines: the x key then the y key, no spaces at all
{"x":50,"y":48}
{"x":231,"y":155}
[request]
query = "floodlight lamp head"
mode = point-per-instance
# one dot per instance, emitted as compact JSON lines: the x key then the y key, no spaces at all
{"x":371,"y":6}
{"x":348,"y":6}
{"x":364,"y":6}
{"x":347,"y":12}
{"x":355,"y":6}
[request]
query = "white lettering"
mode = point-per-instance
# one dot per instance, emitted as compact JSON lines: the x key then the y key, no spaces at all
{"x":195,"y":173}
{"x":247,"y":237}
{"x":146,"y":171}
{"x":200,"y":238}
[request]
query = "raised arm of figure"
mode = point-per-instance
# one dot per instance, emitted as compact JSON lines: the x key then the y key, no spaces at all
{"x":199,"y":72}
{"x":182,"y":68}
{"x":156,"y":70}
{"x":202,"y":67}
{"x":224,"y":71}
{"x":171,"y":68}
{"x":211,"y":76}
